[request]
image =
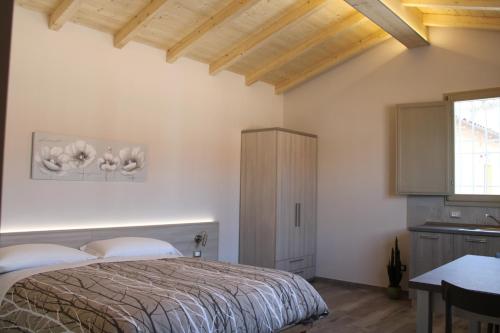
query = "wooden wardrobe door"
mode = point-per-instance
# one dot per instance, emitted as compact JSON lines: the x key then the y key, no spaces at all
{"x":258,"y":199}
{"x":305,"y":182}
{"x":296,"y":230}
{"x":308,"y":224}
{"x":297,"y":242}
{"x":286,"y":229}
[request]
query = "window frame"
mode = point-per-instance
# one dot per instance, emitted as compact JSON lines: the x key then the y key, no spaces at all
{"x":477,"y":200}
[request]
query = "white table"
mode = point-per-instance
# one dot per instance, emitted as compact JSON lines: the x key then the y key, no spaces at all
{"x":477,"y":273}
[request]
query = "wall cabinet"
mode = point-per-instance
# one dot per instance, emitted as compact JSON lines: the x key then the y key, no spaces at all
{"x":424,"y":149}
{"x":278,"y":200}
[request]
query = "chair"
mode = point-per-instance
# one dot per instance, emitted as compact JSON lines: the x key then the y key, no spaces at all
{"x":479,"y":303}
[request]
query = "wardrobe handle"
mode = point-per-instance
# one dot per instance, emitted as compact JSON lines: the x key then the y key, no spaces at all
{"x":300,"y":211}
{"x":296,"y":215}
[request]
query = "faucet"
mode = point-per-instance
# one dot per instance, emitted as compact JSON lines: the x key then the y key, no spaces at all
{"x":492,"y":217}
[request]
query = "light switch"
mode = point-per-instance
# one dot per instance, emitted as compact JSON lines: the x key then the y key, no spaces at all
{"x":456,"y":214}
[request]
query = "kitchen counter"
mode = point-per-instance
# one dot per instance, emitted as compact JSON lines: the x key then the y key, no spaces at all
{"x":456,"y":228}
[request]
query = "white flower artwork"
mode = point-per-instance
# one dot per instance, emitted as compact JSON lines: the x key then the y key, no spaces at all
{"x":108,"y":162}
{"x":133,"y":160}
{"x":52,"y":160}
{"x":81,"y":154}
{"x":60,"y":157}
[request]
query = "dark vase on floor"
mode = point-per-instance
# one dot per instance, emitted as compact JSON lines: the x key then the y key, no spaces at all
{"x":394,"y":292}
{"x":395,"y":273}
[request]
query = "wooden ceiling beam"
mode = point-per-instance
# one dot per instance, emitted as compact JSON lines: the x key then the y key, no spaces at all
{"x":332,"y":61}
{"x":403,"y":23}
{"x":333,"y":29}
{"x":63,"y":13}
{"x":244,"y":46}
{"x":138,"y":22}
{"x":453,"y":21}
{"x":181,"y":47}
{"x":486,"y":5}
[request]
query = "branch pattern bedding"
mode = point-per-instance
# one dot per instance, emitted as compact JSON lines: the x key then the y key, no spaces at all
{"x":165,"y":295}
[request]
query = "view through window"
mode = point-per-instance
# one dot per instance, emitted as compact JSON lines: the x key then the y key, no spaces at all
{"x":477,"y":146}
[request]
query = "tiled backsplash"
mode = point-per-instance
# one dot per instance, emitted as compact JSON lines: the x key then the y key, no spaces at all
{"x":433,"y":208}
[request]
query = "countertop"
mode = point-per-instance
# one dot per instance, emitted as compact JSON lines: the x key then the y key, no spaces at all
{"x":457,"y":228}
{"x":478,"y":273}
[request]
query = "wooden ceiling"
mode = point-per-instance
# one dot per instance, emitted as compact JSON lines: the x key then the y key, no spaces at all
{"x":281,"y":42}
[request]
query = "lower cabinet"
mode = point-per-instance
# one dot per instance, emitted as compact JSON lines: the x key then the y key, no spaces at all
{"x":479,"y":245}
{"x":430,"y":250}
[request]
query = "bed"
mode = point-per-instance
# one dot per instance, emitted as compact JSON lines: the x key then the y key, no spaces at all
{"x":154,"y":294}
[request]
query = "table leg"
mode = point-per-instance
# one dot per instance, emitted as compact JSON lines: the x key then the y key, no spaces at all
{"x":424,"y":311}
{"x":474,"y":326}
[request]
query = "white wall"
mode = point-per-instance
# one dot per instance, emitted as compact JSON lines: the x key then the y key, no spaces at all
{"x":351,"y":109}
{"x":75,"y":82}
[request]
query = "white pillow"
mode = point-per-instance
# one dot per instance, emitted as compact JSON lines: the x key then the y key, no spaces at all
{"x":129,"y":247}
{"x":13,"y":258}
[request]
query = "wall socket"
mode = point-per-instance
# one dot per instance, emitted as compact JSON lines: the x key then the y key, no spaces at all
{"x":456,"y":214}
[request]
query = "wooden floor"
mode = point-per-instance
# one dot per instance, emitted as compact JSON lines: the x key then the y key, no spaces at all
{"x":368,"y":310}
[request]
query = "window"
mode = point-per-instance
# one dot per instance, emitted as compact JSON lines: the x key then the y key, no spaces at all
{"x":476,"y":118}
{"x":477,"y":146}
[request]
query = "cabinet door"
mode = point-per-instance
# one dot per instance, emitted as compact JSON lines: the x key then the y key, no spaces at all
{"x":478,"y":245}
{"x":296,"y":230}
{"x":258,"y":199}
{"x":287,"y":196}
{"x":430,"y":250}
{"x":300,"y":166}
{"x":308,"y":203}
{"x":424,"y":149}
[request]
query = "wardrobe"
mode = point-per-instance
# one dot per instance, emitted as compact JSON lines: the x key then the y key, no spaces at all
{"x":278,"y":200}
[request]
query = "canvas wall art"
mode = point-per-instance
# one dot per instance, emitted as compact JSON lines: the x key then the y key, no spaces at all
{"x":61,"y":157}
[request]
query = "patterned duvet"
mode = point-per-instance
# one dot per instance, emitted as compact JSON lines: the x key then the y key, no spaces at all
{"x":166,"y":295}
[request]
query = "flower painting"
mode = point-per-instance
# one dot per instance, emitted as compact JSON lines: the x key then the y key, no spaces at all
{"x":52,"y":160}
{"x":132,"y":160}
{"x":59,"y":157}
{"x":108,"y":162}
{"x":81,"y":154}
